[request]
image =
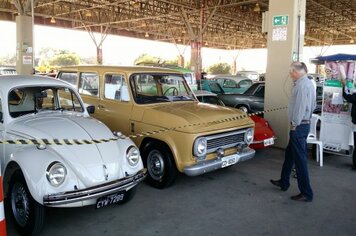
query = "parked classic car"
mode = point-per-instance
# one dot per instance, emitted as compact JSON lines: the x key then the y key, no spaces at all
{"x":264,"y":135}
{"x":175,"y":133}
{"x":42,"y":174}
{"x":252,"y":100}
{"x":231,"y":83}
{"x":7,"y":71}
{"x":253,"y":75}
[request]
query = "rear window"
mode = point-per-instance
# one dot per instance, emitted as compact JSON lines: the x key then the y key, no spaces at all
{"x":70,"y":77}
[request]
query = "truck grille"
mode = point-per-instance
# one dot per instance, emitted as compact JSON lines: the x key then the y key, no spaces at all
{"x":225,"y":140}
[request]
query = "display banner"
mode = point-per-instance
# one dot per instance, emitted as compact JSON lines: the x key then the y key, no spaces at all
{"x":336,"y":127}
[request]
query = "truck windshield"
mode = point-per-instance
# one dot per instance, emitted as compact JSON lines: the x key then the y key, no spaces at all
{"x":155,"y":88}
{"x":26,"y":100}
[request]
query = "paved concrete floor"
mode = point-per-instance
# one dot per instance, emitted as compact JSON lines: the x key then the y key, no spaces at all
{"x":234,"y":201}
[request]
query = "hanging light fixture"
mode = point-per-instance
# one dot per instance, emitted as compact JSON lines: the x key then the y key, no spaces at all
{"x":352,"y":41}
{"x":88,"y":14}
{"x":257,"y":8}
{"x":147,"y":35}
{"x":53,"y":20}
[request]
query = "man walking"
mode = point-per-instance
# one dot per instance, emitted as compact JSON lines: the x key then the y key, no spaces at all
{"x":301,"y":106}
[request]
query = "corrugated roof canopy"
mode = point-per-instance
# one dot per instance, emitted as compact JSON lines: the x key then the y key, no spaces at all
{"x":226,"y":23}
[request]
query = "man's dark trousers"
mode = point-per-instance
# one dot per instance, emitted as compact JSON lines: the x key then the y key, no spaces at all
{"x":296,"y":153}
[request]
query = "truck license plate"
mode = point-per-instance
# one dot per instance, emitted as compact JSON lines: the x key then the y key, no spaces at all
{"x":228,"y":161}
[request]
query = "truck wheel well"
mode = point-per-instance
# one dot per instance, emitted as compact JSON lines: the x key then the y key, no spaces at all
{"x":146,"y":141}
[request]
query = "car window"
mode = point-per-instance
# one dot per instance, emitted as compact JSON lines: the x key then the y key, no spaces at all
{"x":260,"y":92}
{"x":251,"y":89}
{"x":69,"y":101}
{"x":215,"y":88}
{"x":27,"y":100}
{"x":153,"y":88}
{"x":245,"y":83}
{"x":70,"y":77}
{"x":116,"y":87}
{"x":212,"y":100}
{"x":228,"y":83}
{"x":89,"y":84}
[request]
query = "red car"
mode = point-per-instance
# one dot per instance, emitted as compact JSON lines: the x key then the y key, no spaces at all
{"x":264,"y":135}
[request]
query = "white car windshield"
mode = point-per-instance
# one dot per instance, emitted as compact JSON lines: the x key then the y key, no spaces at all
{"x":32,"y":99}
{"x":155,"y":88}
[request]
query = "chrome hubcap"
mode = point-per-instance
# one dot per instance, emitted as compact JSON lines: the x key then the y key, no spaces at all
{"x":155,"y":165}
{"x":244,"y":109}
{"x":20,"y":204}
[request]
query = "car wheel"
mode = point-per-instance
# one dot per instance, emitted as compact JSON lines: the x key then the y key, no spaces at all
{"x":27,"y":213}
{"x":160,"y":165}
{"x":243,"y":108}
{"x":128,"y":195}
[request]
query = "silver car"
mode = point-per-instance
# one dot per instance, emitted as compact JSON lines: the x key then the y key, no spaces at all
{"x":53,"y":154}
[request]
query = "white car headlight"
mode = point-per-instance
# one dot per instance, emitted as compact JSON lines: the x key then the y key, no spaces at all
{"x":133,"y":155}
{"x":200,"y":147}
{"x":56,"y":173}
{"x":249,"y":136}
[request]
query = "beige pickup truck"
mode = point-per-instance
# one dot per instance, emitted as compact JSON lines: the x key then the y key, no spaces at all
{"x":151,"y":100}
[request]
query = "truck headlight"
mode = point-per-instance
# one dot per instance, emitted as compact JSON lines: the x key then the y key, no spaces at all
{"x":132,"y":155}
{"x":56,"y":173}
{"x":249,"y":136}
{"x":200,"y":147}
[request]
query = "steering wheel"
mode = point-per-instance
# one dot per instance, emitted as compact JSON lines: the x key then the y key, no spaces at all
{"x":174,"y":92}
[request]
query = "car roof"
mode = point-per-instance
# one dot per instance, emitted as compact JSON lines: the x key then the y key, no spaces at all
{"x":233,"y":77}
{"x":129,"y":69}
{"x":204,"y":93}
{"x":10,"y":81}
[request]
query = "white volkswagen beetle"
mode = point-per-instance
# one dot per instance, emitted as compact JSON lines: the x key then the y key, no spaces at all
{"x":45,"y":167}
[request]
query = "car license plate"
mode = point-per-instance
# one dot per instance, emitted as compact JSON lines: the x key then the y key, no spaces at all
{"x":268,"y":142}
{"x":228,"y":161}
{"x":109,"y":199}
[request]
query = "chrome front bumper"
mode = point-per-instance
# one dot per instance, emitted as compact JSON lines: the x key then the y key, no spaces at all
{"x":95,"y":191}
{"x":211,"y":165}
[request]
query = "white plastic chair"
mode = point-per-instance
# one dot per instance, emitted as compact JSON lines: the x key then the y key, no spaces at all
{"x":313,"y":138}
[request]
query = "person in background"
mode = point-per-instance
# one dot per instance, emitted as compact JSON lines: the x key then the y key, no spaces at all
{"x":301,"y":106}
{"x":351,"y":98}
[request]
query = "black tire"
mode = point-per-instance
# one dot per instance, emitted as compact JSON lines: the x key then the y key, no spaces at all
{"x":128,"y":196}
{"x":161,"y":168}
{"x":28,"y":214}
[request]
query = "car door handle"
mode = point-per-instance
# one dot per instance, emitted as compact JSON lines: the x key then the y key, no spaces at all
{"x":100,"y":106}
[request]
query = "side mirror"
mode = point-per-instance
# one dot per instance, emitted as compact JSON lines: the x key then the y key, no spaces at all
{"x":238,"y":86}
{"x":91,"y":109}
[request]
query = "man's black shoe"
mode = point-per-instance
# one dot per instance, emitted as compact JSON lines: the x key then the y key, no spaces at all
{"x":300,"y":197}
{"x":278,"y":184}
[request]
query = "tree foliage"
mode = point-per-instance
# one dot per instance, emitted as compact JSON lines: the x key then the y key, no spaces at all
{"x":8,"y":60}
{"x":145,"y":59}
{"x":65,"y":58}
{"x":220,"y":68}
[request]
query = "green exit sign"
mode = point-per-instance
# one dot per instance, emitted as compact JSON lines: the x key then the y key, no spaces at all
{"x":280,"y":20}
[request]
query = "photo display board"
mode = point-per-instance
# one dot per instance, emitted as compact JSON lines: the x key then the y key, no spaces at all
{"x":336,"y":130}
